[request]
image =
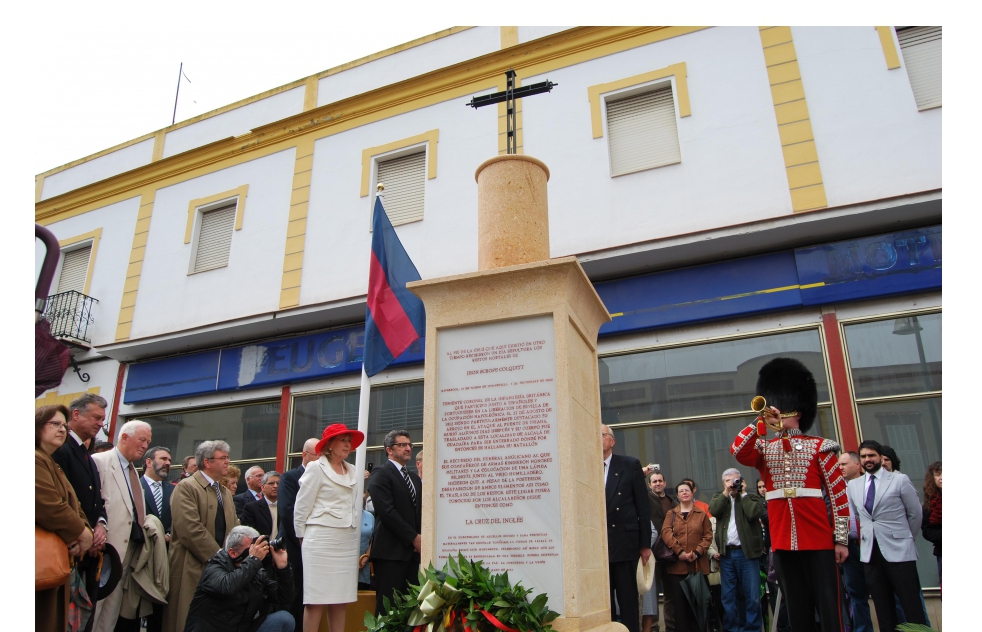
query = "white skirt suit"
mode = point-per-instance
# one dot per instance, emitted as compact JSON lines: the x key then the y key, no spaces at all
{"x":324,"y":516}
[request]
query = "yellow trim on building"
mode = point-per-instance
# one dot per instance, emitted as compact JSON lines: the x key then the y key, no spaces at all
{"x":193,"y":206}
{"x":159,"y":137}
{"x":52,"y":398}
{"x":94,"y":236}
{"x":793,"y":122}
{"x":678,"y":71}
{"x":509,"y":36}
{"x":296,"y":231}
{"x":310,"y":93}
{"x":560,"y":50}
{"x":135,"y":266}
{"x":431,"y":138}
{"x":889,"y":47}
{"x":38,"y":187}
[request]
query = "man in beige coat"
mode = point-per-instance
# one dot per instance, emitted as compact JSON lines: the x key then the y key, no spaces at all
{"x":125,"y":505}
{"x":200,"y":519}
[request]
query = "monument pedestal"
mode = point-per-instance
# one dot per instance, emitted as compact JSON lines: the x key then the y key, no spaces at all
{"x":511,"y":416}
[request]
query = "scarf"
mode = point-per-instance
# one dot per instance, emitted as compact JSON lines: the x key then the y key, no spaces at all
{"x":934,"y":506}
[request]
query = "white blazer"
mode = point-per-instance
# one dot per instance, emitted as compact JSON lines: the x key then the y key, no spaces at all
{"x":325,"y":498}
{"x":895,"y":520}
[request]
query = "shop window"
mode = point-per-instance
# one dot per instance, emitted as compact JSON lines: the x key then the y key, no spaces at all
{"x":657,"y":402}
{"x":404,"y":179}
{"x":895,"y":366}
{"x":697,"y":380}
{"x":391,"y":407}
{"x":921,"y":48}
{"x":642,"y":131}
{"x":250,"y":431}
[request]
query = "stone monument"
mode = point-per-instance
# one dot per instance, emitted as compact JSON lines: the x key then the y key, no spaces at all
{"x":511,"y":416}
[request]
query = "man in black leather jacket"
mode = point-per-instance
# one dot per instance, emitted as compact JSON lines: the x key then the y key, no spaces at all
{"x":235,"y":593}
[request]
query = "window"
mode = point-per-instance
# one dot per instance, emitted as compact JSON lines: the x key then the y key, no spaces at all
{"x":921,"y":48}
{"x":681,"y":407}
{"x":74,"y":269}
{"x":895,"y":366}
{"x":642,"y":131}
{"x":392,"y":407}
{"x":214,"y":238}
{"x":404,"y":178}
{"x":249,"y":429}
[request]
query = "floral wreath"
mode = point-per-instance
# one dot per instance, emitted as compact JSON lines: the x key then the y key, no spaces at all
{"x":463,"y":597}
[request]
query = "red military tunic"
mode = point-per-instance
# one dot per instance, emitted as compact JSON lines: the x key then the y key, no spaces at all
{"x":795,"y":469}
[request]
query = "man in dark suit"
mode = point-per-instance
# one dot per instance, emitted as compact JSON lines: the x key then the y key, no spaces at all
{"x":397,"y":495}
{"x":289,"y":486}
{"x":253,"y":492}
{"x":86,"y":416}
{"x":262,"y":514}
{"x":156,"y":491}
{"x":628,"y":528}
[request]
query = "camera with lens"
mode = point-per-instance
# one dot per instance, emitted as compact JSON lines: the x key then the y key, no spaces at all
{"x":737,"y":484}
{"x":277,"y":544}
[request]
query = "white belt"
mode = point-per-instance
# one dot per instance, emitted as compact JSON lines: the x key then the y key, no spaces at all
{"x":794,"y":492}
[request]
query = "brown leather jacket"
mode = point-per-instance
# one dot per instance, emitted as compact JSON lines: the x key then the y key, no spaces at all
{"x":691,"y":533}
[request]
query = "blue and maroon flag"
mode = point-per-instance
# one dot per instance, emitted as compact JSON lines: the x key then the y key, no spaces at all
{"x":395,"y":317}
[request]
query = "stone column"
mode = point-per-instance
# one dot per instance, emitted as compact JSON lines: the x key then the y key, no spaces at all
{"x":519,"y":288}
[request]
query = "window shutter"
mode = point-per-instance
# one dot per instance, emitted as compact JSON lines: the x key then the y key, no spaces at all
{"x":74,"y":269}
{"x":214,"y":238}
{"x":642,"y":132}
{"x":921,"y":47}
{"x":404,"y":179}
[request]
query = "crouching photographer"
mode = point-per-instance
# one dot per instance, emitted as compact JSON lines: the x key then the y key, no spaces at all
{"x":236,"y":593}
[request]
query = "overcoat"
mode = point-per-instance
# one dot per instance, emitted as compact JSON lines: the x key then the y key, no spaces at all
{"x":193,"y":507}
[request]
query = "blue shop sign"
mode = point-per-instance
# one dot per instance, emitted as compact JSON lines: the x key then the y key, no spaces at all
{"x":907,"y":261}
{"x":273,"y":363}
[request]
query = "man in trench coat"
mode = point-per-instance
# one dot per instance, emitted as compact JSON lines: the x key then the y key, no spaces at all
{"x":195,"y":515}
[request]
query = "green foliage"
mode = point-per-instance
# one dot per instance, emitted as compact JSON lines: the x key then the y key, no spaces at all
{"x":463,"y":588}
{"x":915,"y":627}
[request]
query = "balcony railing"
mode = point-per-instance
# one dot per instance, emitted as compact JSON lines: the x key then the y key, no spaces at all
{"x":70,"y":314}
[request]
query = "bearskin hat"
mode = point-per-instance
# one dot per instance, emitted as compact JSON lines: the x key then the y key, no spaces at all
{"x":788,"y":386}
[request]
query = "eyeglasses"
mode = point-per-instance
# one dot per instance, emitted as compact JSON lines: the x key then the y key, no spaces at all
{"x":219,"y":458}
{"x":56,"y":424}
{"x":401,"y":445}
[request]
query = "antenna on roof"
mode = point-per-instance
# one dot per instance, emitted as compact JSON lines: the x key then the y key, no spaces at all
{"x":180,"y":71}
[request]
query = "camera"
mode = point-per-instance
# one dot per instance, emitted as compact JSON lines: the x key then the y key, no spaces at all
{"x":277,"y":544}
{"x":737,"y":484}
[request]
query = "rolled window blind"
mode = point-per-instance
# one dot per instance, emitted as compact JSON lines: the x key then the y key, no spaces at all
{"x":642,"y":132}
{"x":214,"y":238}
{"x":404,"y":179}
{"x":921,"y":47}
{"x":74,"y":269}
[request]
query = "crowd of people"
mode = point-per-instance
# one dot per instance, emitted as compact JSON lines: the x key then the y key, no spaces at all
{"x":819,"y":528}
{"x":828,"y":534}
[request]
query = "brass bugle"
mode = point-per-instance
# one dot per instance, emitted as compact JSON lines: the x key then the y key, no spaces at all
{"x":758,"y":404}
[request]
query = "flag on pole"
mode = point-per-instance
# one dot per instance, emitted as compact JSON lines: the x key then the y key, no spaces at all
{"x":395,"y":317}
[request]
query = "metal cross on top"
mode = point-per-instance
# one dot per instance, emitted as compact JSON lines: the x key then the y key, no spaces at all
{"x":509,"y":96}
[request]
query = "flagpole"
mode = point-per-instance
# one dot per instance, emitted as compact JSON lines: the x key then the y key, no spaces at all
{"x":361,"y":453}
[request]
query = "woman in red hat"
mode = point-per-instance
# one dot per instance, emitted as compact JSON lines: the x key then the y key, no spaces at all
{"x":324,"y":521}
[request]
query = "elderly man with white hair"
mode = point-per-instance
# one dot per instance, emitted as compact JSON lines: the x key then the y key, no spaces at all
{"x":126,"y":509}
{"x":740,"y":543}
{"x":254,"y":490}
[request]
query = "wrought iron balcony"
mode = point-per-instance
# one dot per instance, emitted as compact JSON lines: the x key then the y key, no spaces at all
{"x":70,"y":314}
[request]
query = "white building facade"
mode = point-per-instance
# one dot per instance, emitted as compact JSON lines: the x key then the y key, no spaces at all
{"x":734,"y":193}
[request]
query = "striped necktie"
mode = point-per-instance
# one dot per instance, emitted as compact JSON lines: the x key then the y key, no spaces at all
{"x":158,"y":497}
{"x":218,"y":490}
{"x":409,"y":483}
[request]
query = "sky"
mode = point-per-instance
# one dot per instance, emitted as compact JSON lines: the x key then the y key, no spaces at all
{"x":117,"y":71}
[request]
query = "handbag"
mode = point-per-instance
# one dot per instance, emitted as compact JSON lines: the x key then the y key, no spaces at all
{"x":663,"y":553}
{"x":51,"y":563}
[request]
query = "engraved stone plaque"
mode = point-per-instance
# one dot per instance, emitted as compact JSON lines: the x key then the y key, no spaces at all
{"x":497,"y":451}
